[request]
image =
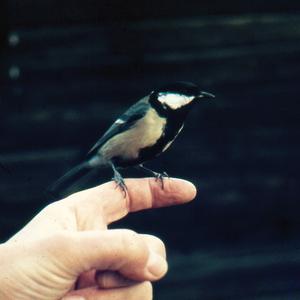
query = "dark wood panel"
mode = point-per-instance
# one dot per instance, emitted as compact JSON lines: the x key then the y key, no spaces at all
{"x":3,"y":24}
{"x":28,"y":12}
{"x":152,"y":36}
{"x":59,"y":100}
{"x":233,"y":274}
{"x":61,"y":86}
{"x":146,"y":46}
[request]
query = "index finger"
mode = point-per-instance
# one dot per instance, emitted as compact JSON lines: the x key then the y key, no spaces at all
{"x":143,"y":193}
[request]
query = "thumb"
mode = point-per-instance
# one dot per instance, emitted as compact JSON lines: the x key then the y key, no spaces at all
{"x":123,"y":251}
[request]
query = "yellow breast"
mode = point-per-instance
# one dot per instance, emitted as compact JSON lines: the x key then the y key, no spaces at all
{"x":144,"y":133}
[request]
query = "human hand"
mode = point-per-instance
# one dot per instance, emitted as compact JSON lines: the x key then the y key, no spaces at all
{"x":57,"y":254}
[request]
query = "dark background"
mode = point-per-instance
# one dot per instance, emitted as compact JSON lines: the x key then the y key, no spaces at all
{"x":68,"y":68}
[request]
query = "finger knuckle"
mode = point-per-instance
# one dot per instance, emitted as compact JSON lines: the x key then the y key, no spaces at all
{"x":160,"y":244}
{"x":156,"y":244}
{"x":134,"y":245}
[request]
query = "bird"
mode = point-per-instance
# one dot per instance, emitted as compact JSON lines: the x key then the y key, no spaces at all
{"x":142,"y":133}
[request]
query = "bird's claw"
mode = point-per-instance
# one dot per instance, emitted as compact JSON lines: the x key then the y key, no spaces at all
{"x":165,"y":174}
{"x":118,"y":179}
{"x":161,"y":177}
{"x":158,"y":176}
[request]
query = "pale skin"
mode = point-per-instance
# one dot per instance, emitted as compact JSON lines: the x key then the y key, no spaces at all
{"x":56,"y":255}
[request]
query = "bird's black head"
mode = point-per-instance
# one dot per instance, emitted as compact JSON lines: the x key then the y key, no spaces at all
{"x":178,"y":95}
{"x":181,"y":88}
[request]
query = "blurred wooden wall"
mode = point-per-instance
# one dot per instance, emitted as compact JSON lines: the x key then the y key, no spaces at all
{"x":67,"y":70}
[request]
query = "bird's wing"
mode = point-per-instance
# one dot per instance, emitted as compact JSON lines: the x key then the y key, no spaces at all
{"x":129,"y":118}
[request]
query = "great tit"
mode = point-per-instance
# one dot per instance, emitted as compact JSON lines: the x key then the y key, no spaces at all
{"x":143,"y":132}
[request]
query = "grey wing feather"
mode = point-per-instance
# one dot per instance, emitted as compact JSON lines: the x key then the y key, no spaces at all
{"x":129,"y":118}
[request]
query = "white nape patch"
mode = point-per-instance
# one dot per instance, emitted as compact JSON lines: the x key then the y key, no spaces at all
{"x":119,"y":121}
{"x":173,"y":100}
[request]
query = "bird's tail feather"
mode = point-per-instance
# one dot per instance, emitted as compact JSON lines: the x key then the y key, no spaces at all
{"x":70,"y":178}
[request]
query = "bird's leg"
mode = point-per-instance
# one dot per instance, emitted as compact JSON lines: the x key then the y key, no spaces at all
{"x":118,"y":179}
{"x":158,"y":176}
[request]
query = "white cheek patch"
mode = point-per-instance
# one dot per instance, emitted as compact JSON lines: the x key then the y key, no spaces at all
{"x":174,"y":101}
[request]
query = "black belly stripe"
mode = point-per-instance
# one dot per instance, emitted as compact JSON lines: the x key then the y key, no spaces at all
{"x":171,"y":130}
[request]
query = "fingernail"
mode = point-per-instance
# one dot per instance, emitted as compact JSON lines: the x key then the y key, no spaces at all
{"x":157,"y":266}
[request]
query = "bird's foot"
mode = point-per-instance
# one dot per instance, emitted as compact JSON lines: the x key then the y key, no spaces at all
{"x":158,"y":176}
{"x":120,"y":183}
{"x":161,"y":177}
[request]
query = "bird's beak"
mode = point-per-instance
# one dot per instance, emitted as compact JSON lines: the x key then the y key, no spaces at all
{"x":206,"y":95}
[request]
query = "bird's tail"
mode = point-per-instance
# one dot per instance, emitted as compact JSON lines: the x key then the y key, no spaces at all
{"x":69,"y":179}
